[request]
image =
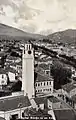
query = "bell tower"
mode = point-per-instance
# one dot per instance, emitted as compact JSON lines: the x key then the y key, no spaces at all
{"x":28,"y":70}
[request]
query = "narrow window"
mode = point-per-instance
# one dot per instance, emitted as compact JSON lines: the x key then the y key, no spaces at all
{"x":36,"y":84}
{"x":2,"y":76}
{"x":41,"y":83}
{"x":29,"y":47}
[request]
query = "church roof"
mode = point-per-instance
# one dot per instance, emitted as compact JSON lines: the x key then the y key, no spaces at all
{"x":12,"y":103}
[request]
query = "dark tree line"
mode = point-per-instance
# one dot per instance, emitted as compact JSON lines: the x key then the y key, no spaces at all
{"x":61,"y":74}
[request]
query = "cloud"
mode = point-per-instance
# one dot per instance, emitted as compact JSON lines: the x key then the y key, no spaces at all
{"x":39,"y":16}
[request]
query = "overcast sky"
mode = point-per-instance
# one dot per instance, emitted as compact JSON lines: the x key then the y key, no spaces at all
{"x":39,"y":16}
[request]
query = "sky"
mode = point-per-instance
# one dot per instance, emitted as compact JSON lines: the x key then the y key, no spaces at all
{"x":39,"y":16}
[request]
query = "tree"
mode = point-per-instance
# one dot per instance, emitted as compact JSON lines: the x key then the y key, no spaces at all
{"x":61,"y":74}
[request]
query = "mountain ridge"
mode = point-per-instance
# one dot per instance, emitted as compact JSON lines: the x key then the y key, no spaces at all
{"x":66,"y":36}
{"x":6,"y":30}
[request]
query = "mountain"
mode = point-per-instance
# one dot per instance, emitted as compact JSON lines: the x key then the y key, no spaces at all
{"x":67,"y":36}
{"x":10,"y":32}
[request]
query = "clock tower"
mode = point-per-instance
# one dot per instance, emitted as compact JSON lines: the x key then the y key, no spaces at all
{"x":28,"y":70}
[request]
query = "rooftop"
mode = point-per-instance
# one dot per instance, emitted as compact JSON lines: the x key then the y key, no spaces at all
{"x":40,"y":100}
{"x":65,"y":114}
{"x":40,"y":113}
{"x":45,"y":66}
{"x":12,"y":103}
{"x":70,"y":86}
{"x":42,"y":77}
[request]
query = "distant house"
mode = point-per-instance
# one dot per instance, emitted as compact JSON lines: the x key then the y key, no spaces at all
{"x":69,"y":89}
{"x":46,"y":68}
{"x":3,"y":78}
{"x":11,"y":73}
{"x":13,"y":59}
{"x":19,"y":67}
{"x":13,"y":107}
{"x":47,"y":103}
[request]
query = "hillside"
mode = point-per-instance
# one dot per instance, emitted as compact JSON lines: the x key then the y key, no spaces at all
{"x":7,"y":32}
{"x":67,"y":36}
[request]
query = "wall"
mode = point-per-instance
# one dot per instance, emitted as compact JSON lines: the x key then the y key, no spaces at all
{"x":11,"y":76}
{"x":41,"y":88}
{"x":8,"y":114}
{"x":4,"y":78}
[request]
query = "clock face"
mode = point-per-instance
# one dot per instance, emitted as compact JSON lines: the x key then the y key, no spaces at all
{"x":29,"y":52}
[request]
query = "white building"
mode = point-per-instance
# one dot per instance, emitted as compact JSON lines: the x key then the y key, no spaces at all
{"x":69,"y":89}
{"x":3,"y":78}
{"x":43,"y":84}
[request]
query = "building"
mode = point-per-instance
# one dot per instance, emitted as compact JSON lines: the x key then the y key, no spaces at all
{"x":3,"y":78}
{"x":46,"y":68}
{"x":13,"y":106}
{"x":43,"y":84}
{"x":37,"y":114}
{"x":69,"y":89}
{"x":28,"y":71}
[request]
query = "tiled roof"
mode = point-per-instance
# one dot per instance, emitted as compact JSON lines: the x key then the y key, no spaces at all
{"x":65,"y":114}
{"x":12,"y":58}
{"x":44,"y":66}
{"x":42,"y":77}
{"x":40,"y":100}
{"x":53,"y":99}
{"x":12,"y":103}
{"x":9,"y":69}
{"x":32,"y":112}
